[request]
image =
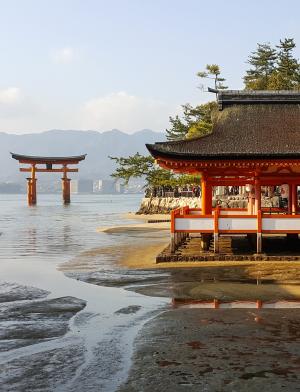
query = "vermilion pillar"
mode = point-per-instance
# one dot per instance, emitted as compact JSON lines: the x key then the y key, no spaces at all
{"x":206,"y":200}
{"x":31,"y":187}
{"x":66,"y":190}
{"x":257,"y":187}
{"x":251,"y":199}
{"x":29,"y":191}
{"x":66,"y":185}
{"x":294,"y":198}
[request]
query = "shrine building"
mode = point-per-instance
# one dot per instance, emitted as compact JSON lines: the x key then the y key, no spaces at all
{"x":255,"y":142}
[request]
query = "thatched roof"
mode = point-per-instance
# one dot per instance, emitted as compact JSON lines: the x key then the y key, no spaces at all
{"x":246,"y":129}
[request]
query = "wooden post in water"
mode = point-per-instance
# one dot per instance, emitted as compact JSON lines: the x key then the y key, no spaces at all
{"x":33,"y":186}
{"x":66,"y":186}
{"x":29,"y":191}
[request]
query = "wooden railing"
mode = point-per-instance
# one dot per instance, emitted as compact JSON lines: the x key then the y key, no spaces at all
{"x":229,"y":221}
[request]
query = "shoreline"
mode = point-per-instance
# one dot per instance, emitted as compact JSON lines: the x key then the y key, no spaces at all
{"x":135,"y":267}
{"x":153,"y":349}
{"x":142,"y":256}
{"x":137,"y":226}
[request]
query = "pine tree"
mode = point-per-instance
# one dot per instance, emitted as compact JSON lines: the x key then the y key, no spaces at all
{"x":196,"y":121}
{"x":263,"y":62}
{"x":287,"y":76}
{"x":212,"y":71}
{"x":204,"y":121}
{"x":178,"y":129}
{"x":140,"y":166}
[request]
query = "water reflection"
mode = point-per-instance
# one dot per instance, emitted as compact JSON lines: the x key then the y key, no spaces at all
{"x":55,"y":231}
{"x":217,"y":304}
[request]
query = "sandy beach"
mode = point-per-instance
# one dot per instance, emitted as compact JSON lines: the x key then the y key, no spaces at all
{"x":142,"y":255}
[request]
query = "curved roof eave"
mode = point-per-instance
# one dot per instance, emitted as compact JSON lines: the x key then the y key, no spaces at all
{"x":157,"y":153}
{"x":20,"y":157}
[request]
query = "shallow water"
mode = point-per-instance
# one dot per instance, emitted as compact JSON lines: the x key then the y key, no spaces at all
{"x":35,"y":240}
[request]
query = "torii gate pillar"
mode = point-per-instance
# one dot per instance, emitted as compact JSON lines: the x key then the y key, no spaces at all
{"x":31,"y":187}
{"x":66,"y":192}
{"x":31,"y":191}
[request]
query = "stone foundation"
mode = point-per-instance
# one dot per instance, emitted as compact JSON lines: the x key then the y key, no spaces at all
{"x":279,"y":248}
{"x":163,"y":205}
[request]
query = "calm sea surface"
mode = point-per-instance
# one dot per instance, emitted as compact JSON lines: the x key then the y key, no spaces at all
{"x":52,"y":231}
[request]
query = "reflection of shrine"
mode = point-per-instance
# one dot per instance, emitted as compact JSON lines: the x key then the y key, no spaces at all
{"x":35,"y":165}
{"x":217,"y":304}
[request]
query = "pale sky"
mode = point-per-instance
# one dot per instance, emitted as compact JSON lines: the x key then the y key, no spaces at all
{"x":126,"y":64}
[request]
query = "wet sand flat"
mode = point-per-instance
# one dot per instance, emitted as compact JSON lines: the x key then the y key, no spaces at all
{"x":29,"y":322}
{"x":217,"y":350}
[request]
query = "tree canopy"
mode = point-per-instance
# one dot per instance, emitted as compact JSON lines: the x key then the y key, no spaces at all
{"x":213,"y":71}
{"x":139,"y":166}
{"x":273,"y":68}
{"x":195,"y":122}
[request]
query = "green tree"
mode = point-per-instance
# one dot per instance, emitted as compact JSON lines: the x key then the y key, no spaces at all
{"x":196,"y":121}
{"x":263,"y":63}
{"x":203,"y":125}
{"x":139,"y":166}
{"x":178,"y":128}
{"x":212,"y":71}
{"x":287,"y":74}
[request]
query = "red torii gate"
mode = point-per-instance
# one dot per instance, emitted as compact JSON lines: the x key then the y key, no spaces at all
{"x":34,"y":163}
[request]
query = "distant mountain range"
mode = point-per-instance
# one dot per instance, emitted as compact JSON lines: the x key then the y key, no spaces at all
{"x":98,"y":146}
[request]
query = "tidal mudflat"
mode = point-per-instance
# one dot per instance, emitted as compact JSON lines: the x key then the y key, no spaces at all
{"x":60,"y":333}
{"x":217,"y":350}
{"x":87,"y":310}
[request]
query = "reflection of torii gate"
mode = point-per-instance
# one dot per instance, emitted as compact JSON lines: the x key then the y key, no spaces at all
{"x":63,"y":162}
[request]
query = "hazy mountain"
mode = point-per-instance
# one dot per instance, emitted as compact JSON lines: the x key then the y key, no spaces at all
{"x":98,"y":146}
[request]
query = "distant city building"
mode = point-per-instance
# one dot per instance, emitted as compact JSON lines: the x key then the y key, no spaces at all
{"x":119,"y":187}
{"x":82,"y":186}
{"x":106,"y":186}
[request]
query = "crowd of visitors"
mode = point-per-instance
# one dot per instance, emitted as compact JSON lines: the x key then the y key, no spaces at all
{"x":177,"y":191}
{"x":187,"y":191}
